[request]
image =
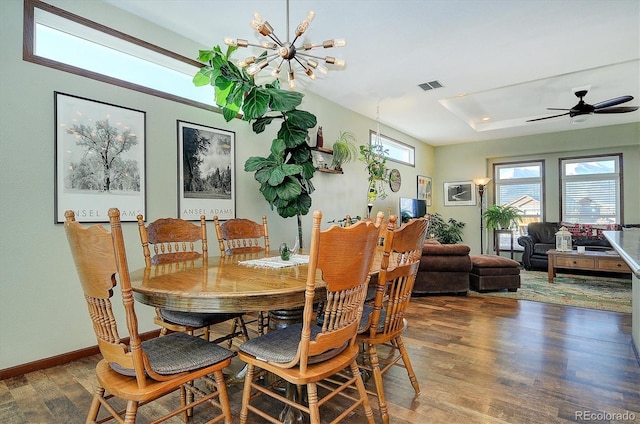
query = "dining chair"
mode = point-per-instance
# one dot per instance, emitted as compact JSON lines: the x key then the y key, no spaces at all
{"x":244,"y":236}
{"x":135,"y":371}
{"x":241,"y":235}
{"x":307,"y":354}
{"x":176,"y":240}
{"x":384,"y":321}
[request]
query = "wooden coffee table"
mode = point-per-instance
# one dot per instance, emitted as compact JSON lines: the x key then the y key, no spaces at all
{"x":605,"y":261}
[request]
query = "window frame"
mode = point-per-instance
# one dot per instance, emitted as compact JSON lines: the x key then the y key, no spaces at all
{"x":541,"y":163}
{"x":373,"y":138}
{"x":28,"y":52}
{"x":604,"y":156}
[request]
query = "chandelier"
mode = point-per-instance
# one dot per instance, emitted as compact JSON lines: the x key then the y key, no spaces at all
{"x":277,"y":51}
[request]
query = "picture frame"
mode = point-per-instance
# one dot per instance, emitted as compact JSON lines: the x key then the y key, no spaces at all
{"x":424,"y":188}
{"x":460,"y":193}
{"x":99,"y":159}
{"x":206,"y":172}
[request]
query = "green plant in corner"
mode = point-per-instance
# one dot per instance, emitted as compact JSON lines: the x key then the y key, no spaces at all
{"x":446,"y":232}
{"x":502,"y":216}
{"x":344,"y":150}
{"x":285,"y":174}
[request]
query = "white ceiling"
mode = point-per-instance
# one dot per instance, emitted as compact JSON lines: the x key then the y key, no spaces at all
{"x":498,"y":59}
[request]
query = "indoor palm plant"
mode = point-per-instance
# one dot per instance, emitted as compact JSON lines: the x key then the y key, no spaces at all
{"x":502,"y":216}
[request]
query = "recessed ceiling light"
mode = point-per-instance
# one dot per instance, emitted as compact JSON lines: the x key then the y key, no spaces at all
{"x":486,"y":118}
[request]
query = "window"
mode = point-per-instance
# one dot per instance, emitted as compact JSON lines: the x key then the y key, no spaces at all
{"x":71,"y":43}
{"x":395,"y":150}
{"x":591,"y":188}
{"x":521,"y":185}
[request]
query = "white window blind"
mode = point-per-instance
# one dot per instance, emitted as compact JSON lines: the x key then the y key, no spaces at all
{"x":591,"y":190}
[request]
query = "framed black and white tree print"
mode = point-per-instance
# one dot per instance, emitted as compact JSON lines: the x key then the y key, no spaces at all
{"x":206,"y":175}
{"x":100,"y":159}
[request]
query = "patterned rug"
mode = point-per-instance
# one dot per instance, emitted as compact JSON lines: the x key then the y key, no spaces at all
{"x":593,"y":292}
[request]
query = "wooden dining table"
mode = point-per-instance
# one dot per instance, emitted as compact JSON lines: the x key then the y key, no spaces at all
{"x":222,"y":284}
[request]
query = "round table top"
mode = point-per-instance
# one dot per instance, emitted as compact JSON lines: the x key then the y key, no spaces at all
{"x":221,"y":285}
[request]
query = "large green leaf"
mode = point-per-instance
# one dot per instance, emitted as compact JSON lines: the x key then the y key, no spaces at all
{"x":269,"y":193}
{"x":301,"y":119}
{"x":256,"y":162}
{"x":277,"y":176}
{"x":203,"y":77}
{"x":260,"y":124}
{"x":278,"y":148}
{"x":291,"y":169}
{"x":255,"y":103}
{"x":292,"y":135}
{"x":289,"y":189}
{"x":284,"y":100}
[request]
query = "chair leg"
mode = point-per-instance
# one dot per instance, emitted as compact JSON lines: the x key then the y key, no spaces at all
{"x":223,"y":396}
{"x":407,"y":364}
{"x":95,"y":406}
{"x":377,"y":376}
{"x":130,"y":413}
{"x":355,"y":370}
{"x":246,"y":394}
{"x":312,"y":399}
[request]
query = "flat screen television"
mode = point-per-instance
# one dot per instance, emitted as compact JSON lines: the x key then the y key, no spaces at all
{"x":412,"y":208}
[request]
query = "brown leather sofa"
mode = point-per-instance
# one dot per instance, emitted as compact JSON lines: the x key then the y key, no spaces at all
{"x":444,"y":268}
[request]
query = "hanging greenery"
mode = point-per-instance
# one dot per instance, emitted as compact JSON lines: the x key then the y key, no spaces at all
{"x":375,"y":160}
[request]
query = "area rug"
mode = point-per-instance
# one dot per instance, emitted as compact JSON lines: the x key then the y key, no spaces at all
{"x":584,"y":291}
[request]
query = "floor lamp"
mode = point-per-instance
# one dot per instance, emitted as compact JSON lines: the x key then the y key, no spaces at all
{"x":481,"y":183}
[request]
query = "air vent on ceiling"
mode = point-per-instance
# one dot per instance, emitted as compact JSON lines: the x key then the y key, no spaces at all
{"x":431,"y":85}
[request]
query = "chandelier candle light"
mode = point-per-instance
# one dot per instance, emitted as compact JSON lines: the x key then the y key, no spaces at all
{"x":275,"y":49}
{"x":481,"y":183}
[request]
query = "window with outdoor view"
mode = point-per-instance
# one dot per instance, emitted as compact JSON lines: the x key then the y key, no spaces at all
{"x":520,"y":184}
{"x":591,"y":188}
{"x":394,"y":150}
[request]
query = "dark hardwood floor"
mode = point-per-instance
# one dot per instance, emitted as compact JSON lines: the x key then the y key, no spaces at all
{"x":478,"y":359}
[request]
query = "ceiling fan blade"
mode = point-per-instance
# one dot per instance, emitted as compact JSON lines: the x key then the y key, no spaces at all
{"x":620,"y":109}
{"x":556,"y":108}
{"x":547,"y":117}
{"x":613,"y":102}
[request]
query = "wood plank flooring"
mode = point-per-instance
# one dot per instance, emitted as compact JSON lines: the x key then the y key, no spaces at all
{"x":478,"y":359}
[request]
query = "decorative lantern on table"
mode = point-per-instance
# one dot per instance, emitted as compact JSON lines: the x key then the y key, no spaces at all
{"x":563,"y":240}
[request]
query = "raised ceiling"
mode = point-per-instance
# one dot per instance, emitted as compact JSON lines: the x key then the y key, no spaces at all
{"x":500,"y":62}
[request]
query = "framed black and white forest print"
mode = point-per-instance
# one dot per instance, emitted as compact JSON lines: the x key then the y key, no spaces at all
{"x":99,"y":159}
{"x":206,"y":174}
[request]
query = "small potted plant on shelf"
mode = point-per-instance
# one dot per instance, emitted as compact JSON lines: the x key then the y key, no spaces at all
{"x":502,"y":217}
{"x":344,"y":150}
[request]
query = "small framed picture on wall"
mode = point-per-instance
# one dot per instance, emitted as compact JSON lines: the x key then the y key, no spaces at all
{"x":424,"y":189}
{"x":460,"y":193}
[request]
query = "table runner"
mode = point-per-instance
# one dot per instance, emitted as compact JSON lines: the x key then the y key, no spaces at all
{"x":276,"y":262}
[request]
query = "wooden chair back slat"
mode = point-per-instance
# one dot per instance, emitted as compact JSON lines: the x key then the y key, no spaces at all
{"x":241,"y":235}
{"x":172,"y":240}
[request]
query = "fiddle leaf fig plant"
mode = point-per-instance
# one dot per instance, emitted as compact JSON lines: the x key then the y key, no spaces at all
{"x":285,"y":174}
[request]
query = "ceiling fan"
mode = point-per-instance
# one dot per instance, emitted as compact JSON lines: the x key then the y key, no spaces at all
{"x":583,"y":108}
